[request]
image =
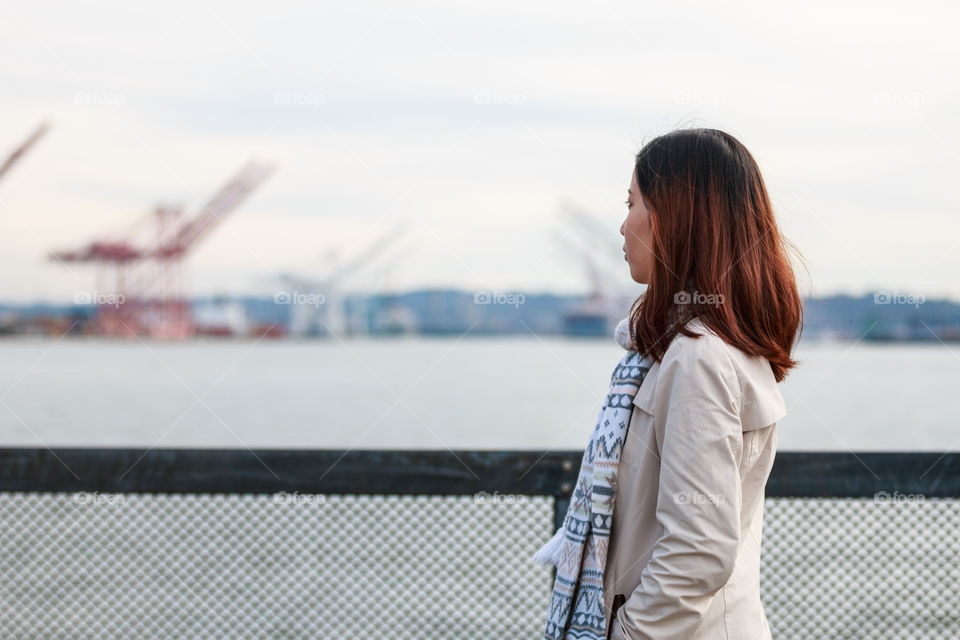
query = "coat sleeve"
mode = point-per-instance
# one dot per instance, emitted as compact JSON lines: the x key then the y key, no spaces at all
{"x":697,"y":406}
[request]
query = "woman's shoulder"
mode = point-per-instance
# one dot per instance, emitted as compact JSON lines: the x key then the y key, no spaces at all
{"x":705,"y":346}
{"x":761,"y":403}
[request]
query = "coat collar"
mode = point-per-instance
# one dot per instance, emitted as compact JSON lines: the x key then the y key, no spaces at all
{"x":645,"y":394}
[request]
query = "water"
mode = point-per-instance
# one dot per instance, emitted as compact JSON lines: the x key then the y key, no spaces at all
{"x":473,"y":393}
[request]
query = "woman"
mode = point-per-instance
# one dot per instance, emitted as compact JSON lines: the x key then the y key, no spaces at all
{"x":716,"y":325}
{"x":684,"y":549}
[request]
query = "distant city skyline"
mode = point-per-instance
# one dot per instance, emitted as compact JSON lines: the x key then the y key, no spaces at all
{"x":473,"y":129}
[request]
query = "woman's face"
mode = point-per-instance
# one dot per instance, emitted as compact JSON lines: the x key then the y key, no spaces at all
{"x":637,"y":231}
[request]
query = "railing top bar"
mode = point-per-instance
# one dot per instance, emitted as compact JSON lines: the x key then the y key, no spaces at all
{"x":433,"y":472}
{"x":346,"y":471}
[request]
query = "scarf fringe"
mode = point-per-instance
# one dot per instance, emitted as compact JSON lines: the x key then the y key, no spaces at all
{"x":549,"y":554}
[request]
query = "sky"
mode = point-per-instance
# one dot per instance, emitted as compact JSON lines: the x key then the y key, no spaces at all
{"x":472,"y":127}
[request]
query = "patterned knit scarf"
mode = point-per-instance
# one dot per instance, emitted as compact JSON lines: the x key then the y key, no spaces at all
{"x":579,"y":548}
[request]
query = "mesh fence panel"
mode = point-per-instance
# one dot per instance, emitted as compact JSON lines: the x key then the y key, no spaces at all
{"x":77,"y":565}
{"x":271,"y":566}
{"x":843,"y":568}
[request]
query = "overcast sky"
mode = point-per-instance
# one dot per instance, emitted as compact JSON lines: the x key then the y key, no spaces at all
{"x":472,"y":125}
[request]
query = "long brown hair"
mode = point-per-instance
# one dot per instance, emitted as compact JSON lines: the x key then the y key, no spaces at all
{"x":718,"y":254}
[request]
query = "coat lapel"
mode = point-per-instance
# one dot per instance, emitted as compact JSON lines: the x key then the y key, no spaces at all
{"x":645,"y":394}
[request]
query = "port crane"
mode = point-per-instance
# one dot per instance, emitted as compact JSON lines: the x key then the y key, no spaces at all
{"x":597,"y":245}
{"x":140,"y":290}
{"x":310,"y":317}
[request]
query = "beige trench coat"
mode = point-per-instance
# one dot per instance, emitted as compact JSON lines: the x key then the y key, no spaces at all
{"x":684,"y":555}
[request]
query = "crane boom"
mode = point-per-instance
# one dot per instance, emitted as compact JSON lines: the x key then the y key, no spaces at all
{"x":23,"y":148}
{"x":345,"y":268}
{"x":220,"y":204}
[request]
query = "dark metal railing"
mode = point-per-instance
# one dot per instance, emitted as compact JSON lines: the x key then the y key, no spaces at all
{"x":798,"y":474}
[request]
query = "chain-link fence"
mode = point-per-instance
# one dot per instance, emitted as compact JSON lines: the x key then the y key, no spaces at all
{"x":110,"y":559}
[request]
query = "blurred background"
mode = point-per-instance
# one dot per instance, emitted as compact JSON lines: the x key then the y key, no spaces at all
{"x":397,"y":226}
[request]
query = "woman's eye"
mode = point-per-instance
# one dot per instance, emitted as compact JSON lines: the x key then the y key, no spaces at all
{"x":627,"y":202}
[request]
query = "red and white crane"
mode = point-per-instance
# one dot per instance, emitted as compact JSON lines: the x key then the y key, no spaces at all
{"x":146,"y":296}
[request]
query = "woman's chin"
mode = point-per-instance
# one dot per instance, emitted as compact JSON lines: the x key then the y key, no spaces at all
{"x":638,"y":278}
